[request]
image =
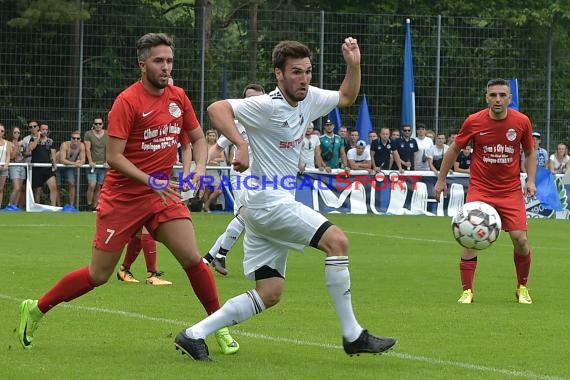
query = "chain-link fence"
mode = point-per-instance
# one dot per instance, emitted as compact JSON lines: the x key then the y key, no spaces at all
{"x":66,"y":75}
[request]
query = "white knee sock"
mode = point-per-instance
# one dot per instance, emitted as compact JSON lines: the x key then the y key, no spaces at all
{"x":233,"y":231}
{"x":216,"y":247}
{"x":338,"y":284}
{"x":234,"y":311}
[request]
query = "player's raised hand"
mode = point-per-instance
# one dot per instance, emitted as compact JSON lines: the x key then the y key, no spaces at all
{"x":240,"y":162}
{"x":351,"y":51}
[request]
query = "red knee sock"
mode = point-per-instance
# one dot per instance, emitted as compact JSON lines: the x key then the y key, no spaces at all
{"x":522,"y":266}
{"x":133,"y":248}
{"x":71,"y":286}
{"x":467,"y":272}
{"x":149,"y":249}
{"x":202,"y":281}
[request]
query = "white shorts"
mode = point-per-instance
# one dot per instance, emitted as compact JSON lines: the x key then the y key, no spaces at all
{"x":271,"y":232}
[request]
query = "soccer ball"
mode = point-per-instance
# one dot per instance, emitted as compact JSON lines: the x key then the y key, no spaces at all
{"x":477,"y":225}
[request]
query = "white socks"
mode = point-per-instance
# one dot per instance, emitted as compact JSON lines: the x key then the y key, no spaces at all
{"x":234,"y":311}
{"x":338,"y":284}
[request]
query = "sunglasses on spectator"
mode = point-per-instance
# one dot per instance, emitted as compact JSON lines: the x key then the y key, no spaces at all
{"x":76,"y":138}
{"x":407,"y":130}
{"x":33,"y":126}
{"x":97,"y":123}
{"x":16,"y":132}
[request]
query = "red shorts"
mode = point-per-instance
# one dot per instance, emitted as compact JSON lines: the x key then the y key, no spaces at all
{"x":510,"y":206}
{"x":120,"y":216}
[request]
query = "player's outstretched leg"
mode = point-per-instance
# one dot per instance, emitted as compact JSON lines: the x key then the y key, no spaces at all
{"x":30,"y":317}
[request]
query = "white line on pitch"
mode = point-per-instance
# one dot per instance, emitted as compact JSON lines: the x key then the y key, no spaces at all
{"x":400,"y":355}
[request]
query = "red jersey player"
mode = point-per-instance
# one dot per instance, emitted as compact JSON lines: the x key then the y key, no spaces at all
{"x":497,"y":133}
{"x":146,"y":122}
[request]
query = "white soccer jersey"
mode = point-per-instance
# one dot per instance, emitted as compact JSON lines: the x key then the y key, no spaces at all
{"x":276,"y":131}
{"x":224,"y":143}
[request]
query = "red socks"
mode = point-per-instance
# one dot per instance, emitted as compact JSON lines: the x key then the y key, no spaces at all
{"x":149,"y":249}
{"x":71,"y":286}
{"x":133,"y":248}
{"x":522,"y":266}
{"x":467,"y":272}
{"x":202,"y":281}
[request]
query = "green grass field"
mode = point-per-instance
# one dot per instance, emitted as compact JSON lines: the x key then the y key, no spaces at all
{"x":405,"y":284}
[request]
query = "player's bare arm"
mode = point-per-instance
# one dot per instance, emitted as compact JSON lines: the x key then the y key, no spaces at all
{"x":222,"y":117}
{"x":350,"y":86}
{"x":200,"y":147}
{"x":530,"y":164}
{"x":449,"y":159}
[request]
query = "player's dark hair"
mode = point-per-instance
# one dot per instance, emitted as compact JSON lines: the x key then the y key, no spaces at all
{"x":289,"y":49}
{"x":253,"y":86}
{"x":150,"y":40}
{"x":498,"y":82}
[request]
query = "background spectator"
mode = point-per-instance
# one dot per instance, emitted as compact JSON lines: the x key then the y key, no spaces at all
{"x":424,"y":144}
{"x":332,"y":148}
{"x":434,"y":155}
{"x":405,"y":150}
{"x":72,"y":154}
{"x":310,"y":151}
{"x":463,"y":162}
{"x":541,"y":153}
{"x":95,"y":146}
{"x":353,"y":137}
{"x":559,"y":162}
{"x":42,"y":150}
{"x":381,"y":151}
{"x":215,"y":158}
{"x":5,"y":151}
{"x":17,"y":173}
{"x":359,"y":157}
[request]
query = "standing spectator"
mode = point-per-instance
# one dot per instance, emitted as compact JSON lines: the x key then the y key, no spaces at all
{"x":431,"y":134}
{"x":424,"y":144}
{"x":342,"y":132}
{"x":497,"y":132}
{"x":131,"y":198}
{"x":332,"y":148}
{"x":353,"y":138}
{"x":310,"y":151}
{"x":213,"y":190}
{"x":463,"y":162}
{"x":72,"y":154}
{"x":42,"y":151}
{"x":405,"y":150}
{"x":394,"y":135}
{"x":372,"y":135}
{"x":5,"y":152}
{"x":34,"y":130}
{"x":95,"y":151}
{"x":451,"y":138}
{"x":275,"y":221}
{"x":560,"y":161}
{"x":381,"y":151}
{"x":17,"y":173}
{"x":541,"y":154}
{"x":359,"y":157}
{"x":434,"y":155}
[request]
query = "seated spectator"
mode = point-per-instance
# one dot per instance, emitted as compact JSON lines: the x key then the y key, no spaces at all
{"x":310,"y":157}
{"x":559,"y":163}
{"x":71,"y":154}
{"x":541,"y":153}
{"x":463,"y":162}
{"x":359,"y":158}
{"x":434,"y":155}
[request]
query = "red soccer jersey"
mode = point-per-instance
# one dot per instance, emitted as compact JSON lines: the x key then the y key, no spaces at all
{"x":495,"y":162}
{"x":152,"y":125}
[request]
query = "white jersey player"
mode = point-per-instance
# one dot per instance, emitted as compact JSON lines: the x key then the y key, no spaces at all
{"x":218,"y":253}
{"x":275,"y":221}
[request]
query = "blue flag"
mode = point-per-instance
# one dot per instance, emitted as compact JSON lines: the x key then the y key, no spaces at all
{"x":363,"y":123}
{"x":408,"y":95}
{"x":335,"y":117}
{"x":546,"y":190}
{"x":514,"y":104}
